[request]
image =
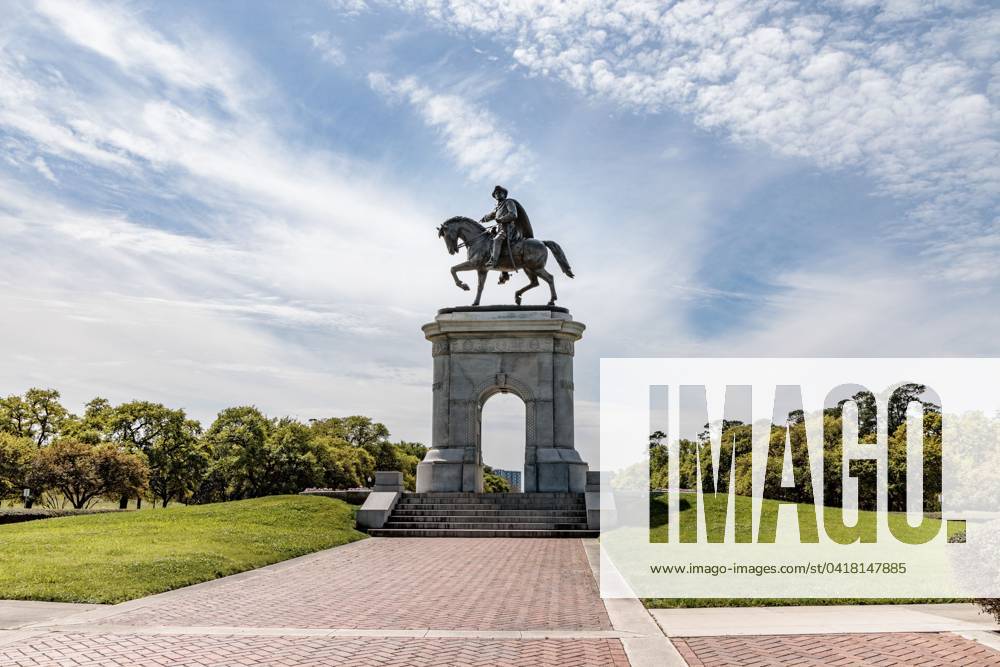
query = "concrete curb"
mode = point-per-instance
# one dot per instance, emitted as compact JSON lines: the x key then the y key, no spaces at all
{"x":645,"y":645}
{"x":991,"y":639}
{"x":819,"y":620}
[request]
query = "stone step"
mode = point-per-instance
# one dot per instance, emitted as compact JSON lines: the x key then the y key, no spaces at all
{"x":532,"y":502}
{"x":492,"y":496}
{"x":479,"y":532}
{"x":459,"y":503}
{"x":488,"y":515}
{"x":462,"y":525}
{"x":484,"y":499}
{"x":502,"y":518}
{"x":438,"y":518}
{"x":469,"y":507}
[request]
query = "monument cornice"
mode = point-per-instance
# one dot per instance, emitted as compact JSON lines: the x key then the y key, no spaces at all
{"x":507,"y":322}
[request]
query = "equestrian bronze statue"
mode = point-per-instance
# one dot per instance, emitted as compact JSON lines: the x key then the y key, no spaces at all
{"x":510,"y":246}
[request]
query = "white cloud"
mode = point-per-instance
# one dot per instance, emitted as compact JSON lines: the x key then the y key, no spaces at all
{"x":349,"y":7}
{"x":274,"y":290}
{"x":328,"y":48}
{"x":43,"y":168}
{"x":472,"y":135}
{"x":279,"y":258}
{"x":903,"y":90}
{"x":118,"y":35}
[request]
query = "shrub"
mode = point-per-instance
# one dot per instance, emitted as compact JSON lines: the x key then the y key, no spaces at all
{"x":990,"y":606}
{"x":16,"y":454}
{"x":19,"y":515}
{"x":83,"y":472}
{"x":493,"y":483}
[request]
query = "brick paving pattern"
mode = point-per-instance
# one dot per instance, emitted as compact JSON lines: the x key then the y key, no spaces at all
{"x":931,"y":649}
{"x":412,"y":583}
{"x":436,"y":584}
{"x":81,"y":650}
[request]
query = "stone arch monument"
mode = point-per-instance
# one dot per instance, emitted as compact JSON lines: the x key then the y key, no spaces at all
{"x":481,"y":351}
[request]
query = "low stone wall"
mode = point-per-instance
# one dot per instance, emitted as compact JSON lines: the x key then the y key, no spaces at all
{"x":351,"y":496}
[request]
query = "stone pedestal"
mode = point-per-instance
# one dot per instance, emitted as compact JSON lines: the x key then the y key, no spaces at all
{"x":523,"y":350}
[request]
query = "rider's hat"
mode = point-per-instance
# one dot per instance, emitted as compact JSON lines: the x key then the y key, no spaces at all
{"x":499,"y":188}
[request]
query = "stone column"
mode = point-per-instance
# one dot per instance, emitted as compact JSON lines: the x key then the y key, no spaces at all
{"x":527,"y":351}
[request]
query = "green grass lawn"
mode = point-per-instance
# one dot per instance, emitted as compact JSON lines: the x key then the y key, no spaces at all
{"x":109,"y":558}
{"x":715,"y":515}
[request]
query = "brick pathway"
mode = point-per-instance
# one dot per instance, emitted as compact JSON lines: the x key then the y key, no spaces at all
{"x":428,"y":602}
{"x":443,"y":584}
{"x":931,"y":649}
{"x":201,"y":651}
{"x":278,"y":616}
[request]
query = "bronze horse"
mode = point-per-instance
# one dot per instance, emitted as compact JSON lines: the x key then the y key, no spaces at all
{"x":528,"y":254}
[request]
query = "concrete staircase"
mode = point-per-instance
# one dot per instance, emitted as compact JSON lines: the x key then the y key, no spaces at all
{"x":487,"y":515}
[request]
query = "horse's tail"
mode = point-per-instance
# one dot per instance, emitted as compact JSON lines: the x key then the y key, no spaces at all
{"x":560,"y":257}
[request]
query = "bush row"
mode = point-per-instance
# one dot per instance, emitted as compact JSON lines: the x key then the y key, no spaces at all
{"x":141,"y":449}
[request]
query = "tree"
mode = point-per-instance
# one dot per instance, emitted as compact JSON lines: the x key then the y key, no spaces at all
{"x":659,"y":466}
{"x":15,"y":418}
{"x":47,"y":414}
{"x":177,"y":460}
{"x":257,"y":456}
{"x":344,"y":466}
{"x":165,"y":437}
{"x":83,"y":472}
{"x":236,"y":440}
{"x":932,"y":457}
{"x":95,"y":425}
{"x":291,"y":459}
{"x":493,"y":483}
{"x":16,"y":454}
{"x":37,"y":415}
{"x":357,"y":430}
{"x":901,"y":398}
{"x":373,"y":437}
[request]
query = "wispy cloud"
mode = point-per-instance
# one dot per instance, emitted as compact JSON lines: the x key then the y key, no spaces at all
{"x":269,"y":247}
{"x":328,"y":48}
{"x":166,"y":232}
{"x":42,"y":167}
{"x":904,"y":91}
{"x":472,"y":135}
{"x":349,"y":7}
{"x":118,"y":35}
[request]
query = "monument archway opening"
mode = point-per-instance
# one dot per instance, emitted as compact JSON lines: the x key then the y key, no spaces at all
{"x":503,"y":432}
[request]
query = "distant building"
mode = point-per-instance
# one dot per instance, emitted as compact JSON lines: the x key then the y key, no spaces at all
{"x":513,"y":478}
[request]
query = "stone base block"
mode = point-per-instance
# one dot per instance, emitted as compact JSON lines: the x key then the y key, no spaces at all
{"x":377,"y":508}
{"x":558,"y":477}
{"x":388,"y":480}
{"x":556,"y":469}
{"x":447,"y":476}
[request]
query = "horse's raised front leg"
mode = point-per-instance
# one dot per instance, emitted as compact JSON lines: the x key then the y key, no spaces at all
{"x":547,"y":277}
{"x":464,"y":266}
{"x":479,"y":288}
{"x":533,"y":283}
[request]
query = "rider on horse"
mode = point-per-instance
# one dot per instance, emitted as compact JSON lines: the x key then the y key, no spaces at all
{"x":512,"y":223}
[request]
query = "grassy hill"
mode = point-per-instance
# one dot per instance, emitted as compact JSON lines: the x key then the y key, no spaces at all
{"x":109,"y":558}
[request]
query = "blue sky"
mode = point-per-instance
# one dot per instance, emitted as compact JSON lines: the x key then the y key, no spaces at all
{"x":210,"y":204}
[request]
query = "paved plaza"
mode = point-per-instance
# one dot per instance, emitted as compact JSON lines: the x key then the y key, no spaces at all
{"x":437,"y":601}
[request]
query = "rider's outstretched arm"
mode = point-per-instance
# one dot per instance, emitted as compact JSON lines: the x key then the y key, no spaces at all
{"x":489,"y":216}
